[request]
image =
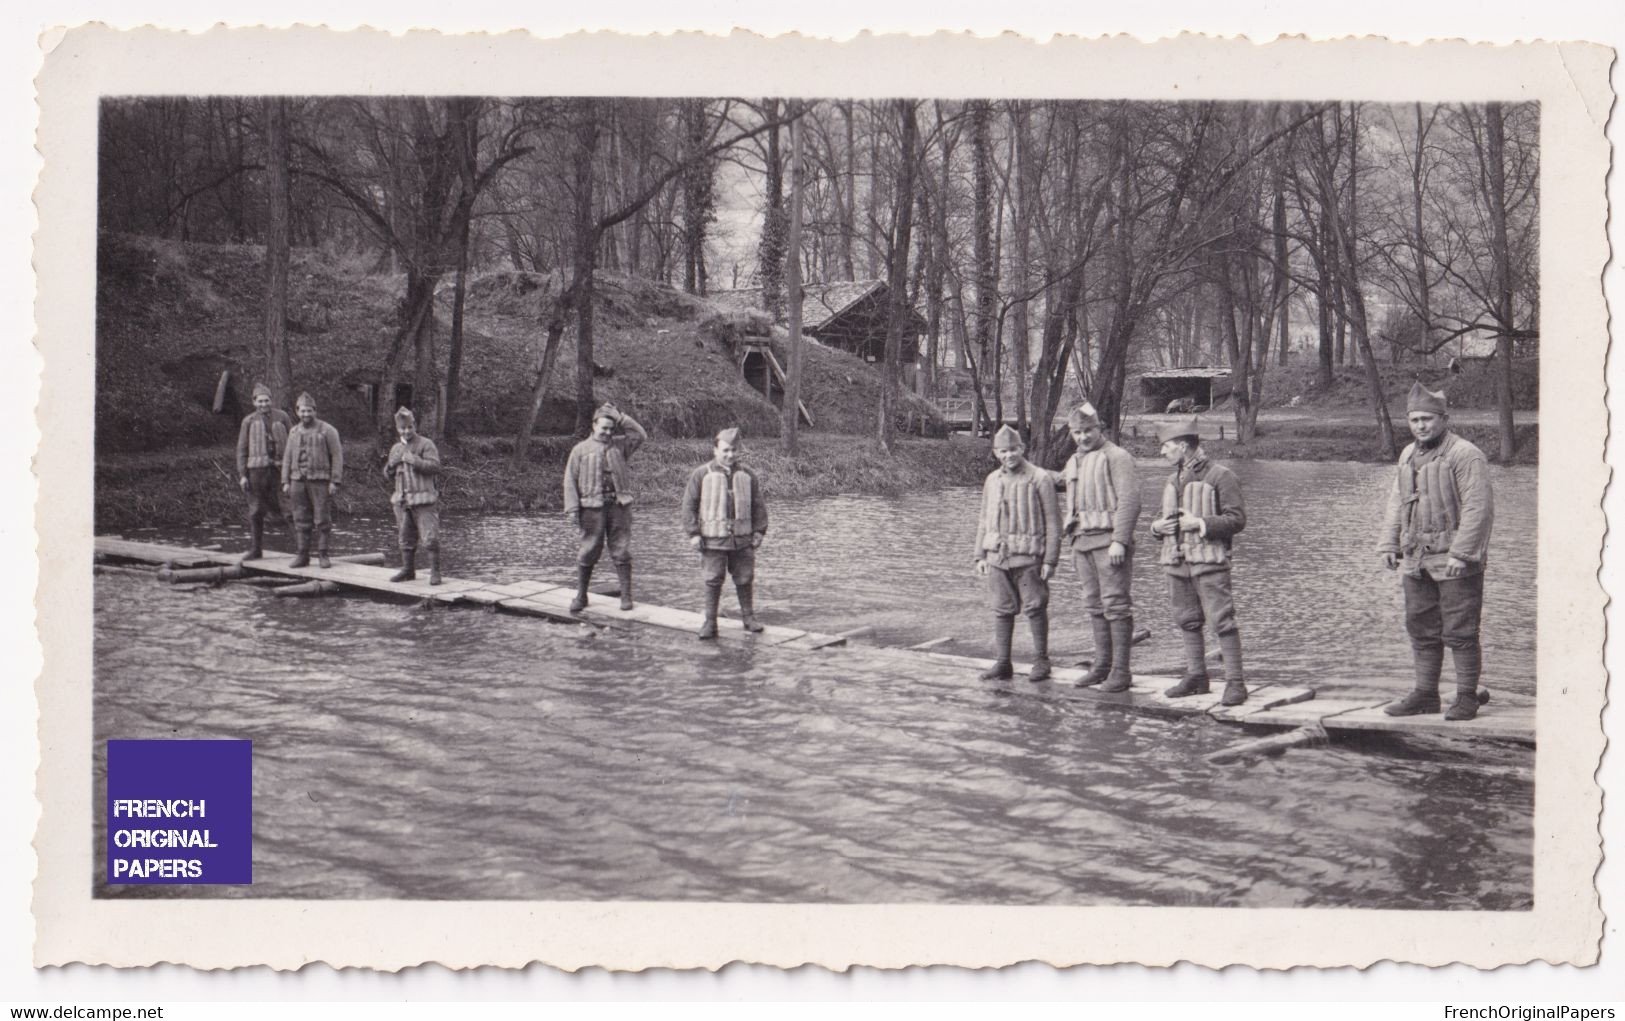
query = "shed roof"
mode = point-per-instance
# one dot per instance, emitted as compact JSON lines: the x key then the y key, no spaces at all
{"x":1188,"y":372}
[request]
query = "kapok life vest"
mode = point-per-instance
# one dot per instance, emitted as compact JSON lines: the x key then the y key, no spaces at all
{"x":717,"y":519}
{"x":266,"y":437}
{"x":1012,"y":515}
{"x":1432,"y":505}
{"x":1201,"y":499}
{"x":1090,"y":497}
{"x":595,"y":463}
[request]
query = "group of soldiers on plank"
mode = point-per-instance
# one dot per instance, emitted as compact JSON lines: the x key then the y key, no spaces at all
{"x":724,"y":510}
{"x":1436,"y":532}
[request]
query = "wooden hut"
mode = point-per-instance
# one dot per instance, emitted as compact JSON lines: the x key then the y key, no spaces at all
{"x":1201,"y":386}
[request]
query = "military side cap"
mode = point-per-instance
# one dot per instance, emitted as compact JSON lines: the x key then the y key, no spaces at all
{"x":1007,"y":439}
{"x":1185,"y":427}
{"x":731,"y":436}
{"x":404,"y":416}
{"x":261,"y":388}
{"x":1083,"y":416}
{"x":1425,"y":400}
{"x":305,"y":401}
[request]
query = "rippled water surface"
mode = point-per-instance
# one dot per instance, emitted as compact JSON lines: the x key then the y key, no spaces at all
{"x":403,"y":752}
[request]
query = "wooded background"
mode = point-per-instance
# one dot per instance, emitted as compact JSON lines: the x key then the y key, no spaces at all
{"x":1052,"y":246}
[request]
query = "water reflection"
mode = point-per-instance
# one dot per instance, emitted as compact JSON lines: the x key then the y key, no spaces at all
{"x":402,"y":752}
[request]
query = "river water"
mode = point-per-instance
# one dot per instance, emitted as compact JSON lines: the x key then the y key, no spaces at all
{"x":412,"y":753}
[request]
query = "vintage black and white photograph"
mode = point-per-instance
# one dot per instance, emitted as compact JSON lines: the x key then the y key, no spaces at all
{"x":801,"y":498}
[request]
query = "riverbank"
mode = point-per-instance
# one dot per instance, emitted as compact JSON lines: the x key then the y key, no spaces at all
{"x":194,"y":484}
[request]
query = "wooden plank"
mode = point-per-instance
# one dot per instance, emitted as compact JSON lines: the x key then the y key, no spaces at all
{"x":1262,"y":699}
{"x":933,"y":644}
{"x":1299,"y":713}
{"x":1492,"y":723}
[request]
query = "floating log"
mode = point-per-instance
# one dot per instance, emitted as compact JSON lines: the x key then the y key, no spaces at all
{"x":932,"y":644}
{"x":308,"y":588}
{"x":1312,"y":736}
{"x":861,"y":631}
{"x":270,"y":580}
{"x":207,"y":575}
{"x":373,"y":559}
{"x":114,"y":569}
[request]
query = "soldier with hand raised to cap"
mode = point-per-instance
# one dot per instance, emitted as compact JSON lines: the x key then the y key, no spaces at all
{"x":1099,"y":516}
{"x":261,"y":440}
{"x":414,"y":469}
{"x":725,"y":516}
{"x":312,"y":470}
{"x":598,"y":498}
{"x":1201,"y":512}
{"x":1018,"y":541}
{"x":1437,"y":533}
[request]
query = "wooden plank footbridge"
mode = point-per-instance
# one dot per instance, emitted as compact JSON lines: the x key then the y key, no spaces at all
{"x":1272,"y":707}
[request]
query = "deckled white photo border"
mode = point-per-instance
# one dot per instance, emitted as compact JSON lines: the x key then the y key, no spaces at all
{"x":1564,"y":926}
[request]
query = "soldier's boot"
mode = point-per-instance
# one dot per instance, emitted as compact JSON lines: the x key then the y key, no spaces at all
{"x":256,"y":539}
{"x":408,"y":571}
{"x":1235,"y":684}
{"x":301,"y":553}
{"x":1101,"y":665}
{"x":583,"y":579}
{"x":434,"y":565}
{"x":1122,"y":645}
{"x":1195,"y":680}
{"x":747,"y":606}
{"x":322,"y":559}
{"x":713,"y":599}
{"x":1004,"y":629}
{"x":1424,"y":696}
{"x":1039,"y":622}
{"x":624,"y":572}
{"x":1469,"y":662}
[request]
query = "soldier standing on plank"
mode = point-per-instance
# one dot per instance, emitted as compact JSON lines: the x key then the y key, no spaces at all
{"x":414,"y":468}
{"x":725,"y":516}
{"x":1437,"y":531}
{"x":1018,"y":540}
{"x":312,"y":471}
{"x":260,"y":442}
{"x":1201,"y":512}
{"x":1101,"y":511}
{"x":598,"y":497}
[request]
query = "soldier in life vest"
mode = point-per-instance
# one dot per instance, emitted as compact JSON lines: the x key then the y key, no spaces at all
{"x":725,"y":516}
{"x":1101,"y":510}
{"x":1018,"y":541}
{"x":260,"y":442}
{"x":414,"y":469}
{"x":598,"y":498}
{"x":312,"y":471}
{"x":1437,"y":532}
{"x":1201,"y":512}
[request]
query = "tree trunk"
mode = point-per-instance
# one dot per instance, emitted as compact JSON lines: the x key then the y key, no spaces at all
{"x":586,"y":248}
{"x":544,"y":370}
{"x":1495,"y":139}
{"x":1021,"y":334}
{"x":792,"y":285}
{"x":982,"y":239}
{"x":278,"y":363}
{"x":454,"y":357}
{"x":897,"y":275}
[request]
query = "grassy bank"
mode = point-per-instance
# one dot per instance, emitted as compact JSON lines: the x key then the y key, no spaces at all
{"x":185,"y":486}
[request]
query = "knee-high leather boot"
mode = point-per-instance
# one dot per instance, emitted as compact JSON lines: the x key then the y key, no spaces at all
{"x":583,"y":579}
{"x":409,"y":566}
{"x":1122,"y":646}
{"x":1101,"y":665}
{"x":301,"y":553}
{"x":713,"y":599}
{"x":1004,"y":629}
{"x":434,"y":565}
{"x":624,"y":573}
{"x":1235,"y":682}
{"x":747,"y":606}
{"x":1039,"y":622}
